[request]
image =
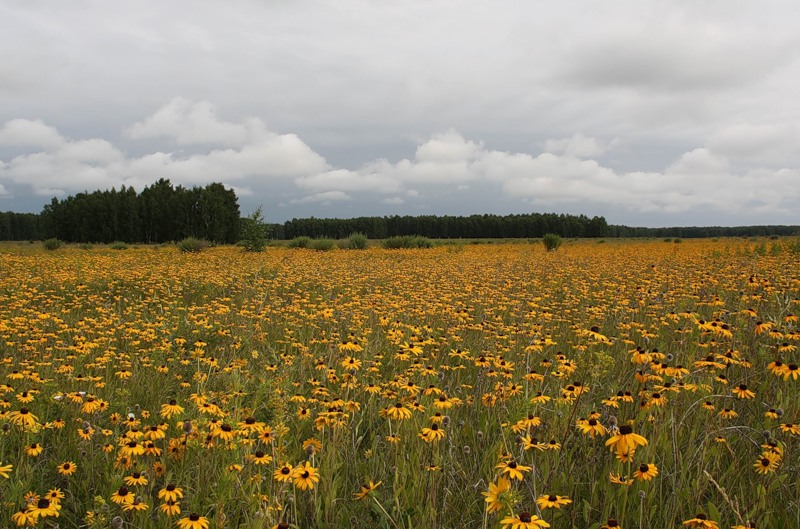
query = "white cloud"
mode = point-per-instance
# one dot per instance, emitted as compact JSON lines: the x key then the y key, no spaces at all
{"x":30,"y":133}
{"x":190,"y":123}
{"x":764,"y":143}
{"x":703,"y":180}
{"x":324,"y":198}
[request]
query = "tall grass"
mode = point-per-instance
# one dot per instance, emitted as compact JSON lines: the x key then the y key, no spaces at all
{"x":344,"y":362}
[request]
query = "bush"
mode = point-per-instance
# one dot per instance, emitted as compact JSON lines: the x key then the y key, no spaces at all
{"x":52,"y":244}
{"x":254,"y":232}
{"x":299,"y":242}
{"x":192,"y":245}
{"x":551,"y":241}
{"x":322,"y":245}
{"x":407,"y":241}
{"x":86,"y":246}
{"x":118,"y":246}
{"x":357,"y":241}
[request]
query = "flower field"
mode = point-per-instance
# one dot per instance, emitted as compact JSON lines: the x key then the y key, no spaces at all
{"x":631,"y":384}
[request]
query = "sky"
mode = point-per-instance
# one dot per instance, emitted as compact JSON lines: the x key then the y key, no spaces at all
{"x":649,"y":113}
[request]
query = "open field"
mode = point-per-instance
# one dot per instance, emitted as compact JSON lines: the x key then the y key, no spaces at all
{"x":643,"y":384}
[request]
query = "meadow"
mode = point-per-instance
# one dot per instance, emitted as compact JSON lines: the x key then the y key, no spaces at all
{"x":631,"y":384}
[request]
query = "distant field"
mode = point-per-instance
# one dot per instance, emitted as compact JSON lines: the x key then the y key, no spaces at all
{"x":610,"y":383}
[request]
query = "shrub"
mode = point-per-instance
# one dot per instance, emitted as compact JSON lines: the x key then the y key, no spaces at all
{"x":357,"y":241}
{"x":322,"y":245}
{"x":118,"y":246}
{"x":551,"y":241}
{"x":86,"y":246}
{"x":299,"y":242}
{"x":192,"y":245}
{"x":254,"y":232}
{"x":52,"y":244}
{"x":407,"y":241}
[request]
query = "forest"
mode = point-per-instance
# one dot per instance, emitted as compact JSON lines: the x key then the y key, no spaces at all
{"x":163,"y":213}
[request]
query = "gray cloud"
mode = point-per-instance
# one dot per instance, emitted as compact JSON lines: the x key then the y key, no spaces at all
{"x":659,"y":111}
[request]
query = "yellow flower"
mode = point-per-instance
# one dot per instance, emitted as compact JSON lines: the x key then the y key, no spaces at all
{"x":285,"y":474}
{"x":170,"y":508}
{"x":742,"y":392}
{"x":135,"y":479}
{"x":432,"y":434}
{"x":497,"y":494}
{"x":592,"y":427}
{"x":67,"y":468}
{"x":701,"y":521}
{"x":768,"y":462}
{"x":546,"y":501}
{"x":513,"y":469}
{"x":523,"y":520}
{"x":305,"y":476}
{"x":625,"y":441}
{"x":170,"y":493}
{"x":193,"y":521}
{"x":5,"y":470}
{"x":366,"y":489}
{"x":122,"y":496}
{"x":646,"y":472}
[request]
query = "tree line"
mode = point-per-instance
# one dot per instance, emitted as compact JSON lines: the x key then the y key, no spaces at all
{"x":163,"y":212}
{"x":487,"y":226}
{"x":695,"y":232}
{"x":160,"y":213}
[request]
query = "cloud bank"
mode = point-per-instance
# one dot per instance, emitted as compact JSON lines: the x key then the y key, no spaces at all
{"x":263,"y":165}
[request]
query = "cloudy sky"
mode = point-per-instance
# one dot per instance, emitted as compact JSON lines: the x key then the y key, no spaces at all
{"x":651,"y":113}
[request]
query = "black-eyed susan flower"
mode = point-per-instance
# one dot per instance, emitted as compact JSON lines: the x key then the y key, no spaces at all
{"x":23,"y":418}
{"x":305,"y":476}
{"x":497,"y":496}
{"x":792,"y":371}
{"x":611,"y":523}
{"x":43,"y":508}
{"x":768,"y":462}
{"x":625,"y":441}
{"x":33,"y":449}
{"x":67,"y":468}
{"x":135,"y":479}
{"x":170,"y":508}
{"x":259,"y":457}
{"x":620,"y":480}
{"x":552,"y":501}
{"x":122,"y":495}
{"x":741,"y":391}
{"x":398,"y":412}
{"x":646,"y":472}
{"x":170,"y":493}
{"x":523,"y":520}
{"x":284,"y":474}
{"x":193,"y":521}
{"x":432,"y":434}
{"x":701,"y":521}
{"x":592,"y":427}
{"x":136,"y":505}
{"x":22,"y":518}
{"x":513,"y":469}
{"x":366,"y":489}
